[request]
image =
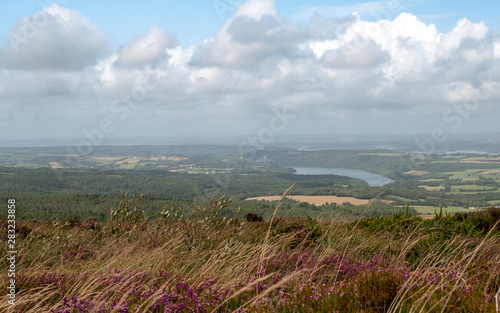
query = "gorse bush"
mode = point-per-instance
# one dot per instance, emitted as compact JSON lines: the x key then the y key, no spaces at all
{"x":251,"y":217}
{"x":482,"y":220}
{"x":443,"y":226}
{"x":305,"y":230}
{"x":129,"y":210}
{"x":213,"y":212}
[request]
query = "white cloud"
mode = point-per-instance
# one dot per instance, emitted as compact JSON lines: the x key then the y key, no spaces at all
{"x":253,"y":35}
{"x":496,"y":47}
{"x":464,"y":29}
{"x":149,"y":49}
{"x":55,"y":38}
{"x":358,"y":53}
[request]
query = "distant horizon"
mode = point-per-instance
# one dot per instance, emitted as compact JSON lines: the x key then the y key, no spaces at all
{"x":278,"y":136}
{"x":417,"y":143}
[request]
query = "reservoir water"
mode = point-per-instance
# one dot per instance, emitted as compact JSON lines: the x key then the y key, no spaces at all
{"x":370,"y":178}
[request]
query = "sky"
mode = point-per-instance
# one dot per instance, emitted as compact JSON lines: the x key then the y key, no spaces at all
{"x":96,"y":70}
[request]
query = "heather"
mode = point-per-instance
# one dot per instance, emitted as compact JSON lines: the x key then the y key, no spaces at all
{"x":207,"y":262}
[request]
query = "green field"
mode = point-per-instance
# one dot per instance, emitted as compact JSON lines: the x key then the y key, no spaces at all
{"x":464,"y":173}
{"x":482,"y":158}
{"x":471,"y":193}
{"x":430,"y":209}
{"x":491,"y":176}
{"x":382,"y":154}
{"x":392,"y":197}
{"x":471,"y":178}
{"x":431,"y":180}
{"x":453,"y":157}
{"x":127,"y":166}
{"x":472,"y":188}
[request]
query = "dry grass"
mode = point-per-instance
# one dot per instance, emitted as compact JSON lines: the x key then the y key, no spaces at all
{"x":273,"y":269}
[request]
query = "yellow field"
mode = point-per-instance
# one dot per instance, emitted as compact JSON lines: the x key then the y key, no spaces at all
{"x":431,"y":188}
{"x":416,"y":173}
{"x":488,"y":172}
{"x":129,"y":161}
{"x":55,"y":165}
{"x":318,"y":200}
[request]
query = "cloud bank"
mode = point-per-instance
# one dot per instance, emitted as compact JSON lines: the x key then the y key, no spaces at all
{"x":337,"y":75}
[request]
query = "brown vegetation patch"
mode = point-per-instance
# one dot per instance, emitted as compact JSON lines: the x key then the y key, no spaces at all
{"x":176,"y":159}
{"x":319,"y":200}
{"x":129,"y":161}
{"x":157,"y":158}
{"x":55,"y":165}
{"x":268,"y":198}
{"x":488,"y":172}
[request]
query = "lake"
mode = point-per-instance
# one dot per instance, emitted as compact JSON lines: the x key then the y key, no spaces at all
{"x":370,"y":178}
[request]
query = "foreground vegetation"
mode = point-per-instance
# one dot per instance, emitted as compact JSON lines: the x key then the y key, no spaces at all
{"x":210,"y":262}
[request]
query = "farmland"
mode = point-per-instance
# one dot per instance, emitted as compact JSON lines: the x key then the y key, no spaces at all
{"x":190,"y":172}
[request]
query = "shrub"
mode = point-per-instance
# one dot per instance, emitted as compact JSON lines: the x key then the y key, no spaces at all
{"x":306,"y":230}
{"x":129,"y":210}
{"x":251,"y":217}
{"x":482,"y":220}
{"x":377,"y":289}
